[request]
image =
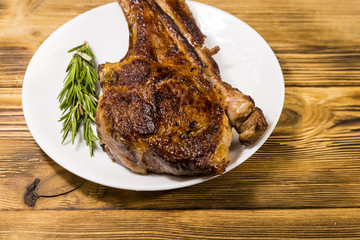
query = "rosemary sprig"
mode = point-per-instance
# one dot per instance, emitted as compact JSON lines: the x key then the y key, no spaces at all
{"x":78,"y":99}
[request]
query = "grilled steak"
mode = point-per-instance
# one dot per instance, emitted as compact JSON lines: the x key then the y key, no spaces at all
{"x":164,"y":108}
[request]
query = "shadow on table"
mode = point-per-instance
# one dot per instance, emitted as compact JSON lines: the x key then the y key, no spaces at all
{"x":241,"y":188}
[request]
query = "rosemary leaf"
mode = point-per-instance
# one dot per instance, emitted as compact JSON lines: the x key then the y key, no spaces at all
{"x":78,"y":98}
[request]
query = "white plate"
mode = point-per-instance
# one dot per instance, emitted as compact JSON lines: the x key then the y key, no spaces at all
{"x":246,"y":61}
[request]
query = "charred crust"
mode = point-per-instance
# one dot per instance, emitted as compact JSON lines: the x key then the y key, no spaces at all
{"x":137,"y":71}
{"x":184,"y":15}
{"x":174,"y":30}
{"x":166,"y":108}
{"x":192,"y":124}
{"x":100,"y":68}
{"x":190,"y":114}
{"x":133,"y":115}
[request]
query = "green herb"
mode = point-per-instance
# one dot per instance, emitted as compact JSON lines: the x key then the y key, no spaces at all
{"x":78,"y":99}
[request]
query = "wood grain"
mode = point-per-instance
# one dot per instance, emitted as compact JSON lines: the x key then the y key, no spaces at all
{"x":200,"y":224}
{"x":317,"y":43}
{"x":318,"y":131}
{"x":304,"y":182}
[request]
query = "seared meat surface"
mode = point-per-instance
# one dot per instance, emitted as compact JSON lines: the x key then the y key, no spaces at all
{"x":164,"y":108}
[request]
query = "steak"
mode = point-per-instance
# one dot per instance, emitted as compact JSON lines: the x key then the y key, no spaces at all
{"x":164,"y":107}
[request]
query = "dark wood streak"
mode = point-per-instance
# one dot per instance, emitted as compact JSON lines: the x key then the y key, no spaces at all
{"x":347,"y":122}
{"x":32,"y":5}
{"x":309,"y":66}
{"x":14,"y":60}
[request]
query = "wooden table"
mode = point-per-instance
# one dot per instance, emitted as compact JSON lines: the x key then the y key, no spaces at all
{"x":304,"y":182}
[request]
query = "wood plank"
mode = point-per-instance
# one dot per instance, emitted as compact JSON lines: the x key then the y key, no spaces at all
{"x":319,"y":65}
{"x":12,"y":121}
{"x":256,"y":184}
{"x":201,"y":224}
{"x":316,"y":42}
{"x":311,"y":160}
